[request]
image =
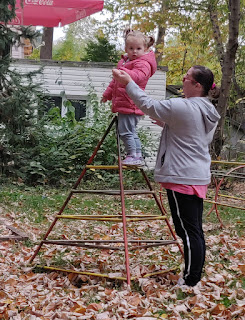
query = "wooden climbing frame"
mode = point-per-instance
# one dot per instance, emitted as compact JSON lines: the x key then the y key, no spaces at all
{"x":124,"y":244}
{"x":219,"y":178}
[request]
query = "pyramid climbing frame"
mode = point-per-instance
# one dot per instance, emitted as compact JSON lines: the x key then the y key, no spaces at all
{"x":125,"y":243}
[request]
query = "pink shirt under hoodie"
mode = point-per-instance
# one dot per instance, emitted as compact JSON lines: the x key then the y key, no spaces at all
{"x":199,"y":191}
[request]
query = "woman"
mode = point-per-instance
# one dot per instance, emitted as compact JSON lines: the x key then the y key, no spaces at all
{"x":183,"y":159}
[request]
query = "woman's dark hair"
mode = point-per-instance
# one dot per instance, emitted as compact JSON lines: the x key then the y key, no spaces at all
{"x":204,"y":76}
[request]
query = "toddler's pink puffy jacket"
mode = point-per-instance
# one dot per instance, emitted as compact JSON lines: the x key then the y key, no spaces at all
{"x":140,"y":70}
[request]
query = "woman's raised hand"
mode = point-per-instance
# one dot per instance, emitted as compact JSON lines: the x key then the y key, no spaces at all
{"x":121,"y":76}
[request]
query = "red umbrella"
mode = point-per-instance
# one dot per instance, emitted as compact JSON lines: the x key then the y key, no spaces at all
{"x":54,"y":13}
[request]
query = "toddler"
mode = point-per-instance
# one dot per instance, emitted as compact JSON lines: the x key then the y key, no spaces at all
{"x":140,"y":63}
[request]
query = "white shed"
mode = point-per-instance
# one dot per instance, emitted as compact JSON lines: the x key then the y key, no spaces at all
{"x":71,"y":80}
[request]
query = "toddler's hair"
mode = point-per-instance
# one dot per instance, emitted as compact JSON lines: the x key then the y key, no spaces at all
{"x":148,"y":40}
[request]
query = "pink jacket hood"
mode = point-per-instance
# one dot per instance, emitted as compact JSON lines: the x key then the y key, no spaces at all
{"x":140,"y":70}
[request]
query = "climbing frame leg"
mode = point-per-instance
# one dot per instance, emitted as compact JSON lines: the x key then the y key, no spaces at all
{"x":123,"y":207}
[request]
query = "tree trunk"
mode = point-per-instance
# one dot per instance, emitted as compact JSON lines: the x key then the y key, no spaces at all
{"x":228,"y":66}
{"x":160,"y":42}
{"x":46,"y":50}
{"x":216,"y":33}
{"x":161,"y":32}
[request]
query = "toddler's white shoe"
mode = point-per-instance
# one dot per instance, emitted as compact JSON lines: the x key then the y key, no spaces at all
{"x":132,"y":161}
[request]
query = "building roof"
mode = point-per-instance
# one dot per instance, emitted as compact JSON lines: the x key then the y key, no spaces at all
{"x":175,"y":90}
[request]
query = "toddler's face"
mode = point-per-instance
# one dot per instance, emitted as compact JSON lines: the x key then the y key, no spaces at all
{"x":135,"y":48}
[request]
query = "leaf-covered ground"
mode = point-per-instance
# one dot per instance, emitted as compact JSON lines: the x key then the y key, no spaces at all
{"x":29,"y":292}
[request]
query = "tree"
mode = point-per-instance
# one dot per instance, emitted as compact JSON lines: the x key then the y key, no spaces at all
{"x":153,"y":17}
{"x":100,"y":50}
{"x":200,"y":32}
{"x":69,"y":48}
{"x":77,"y":34}
{"x":19,"y":99}
{"x":47,"y":38}
{"x":227,"y":56}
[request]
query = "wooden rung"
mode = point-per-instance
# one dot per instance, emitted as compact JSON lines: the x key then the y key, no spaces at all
{"x":86,"y":273}
{"x":115,"y":192}
{"x":71,"y":242}
{"x":17,"y":232}
{"x":224,"y":204}
{"x":83,"y":245}
{"x":115,"y":167}
{"x":11,"y":237}
{"x":146,"y":218}
{"x":89,"y":218}
{"x":156,"y":244}
{"x":230,"y":197}
{"x":160,"y":272}
{"x":110,"y":218}
{"x":90,"y":244}
{"x":105,"y":275}
{"x":229,"y":162}
{"x":228,"y":175}
{"x":77,"y":216}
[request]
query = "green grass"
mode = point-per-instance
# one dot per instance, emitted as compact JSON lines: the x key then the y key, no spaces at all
{"x":36,"y":204}
{"x":40,"y":205}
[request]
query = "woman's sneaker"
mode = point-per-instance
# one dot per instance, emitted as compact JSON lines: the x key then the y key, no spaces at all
{"x":181,"y":282}
{"x":132,"y":161}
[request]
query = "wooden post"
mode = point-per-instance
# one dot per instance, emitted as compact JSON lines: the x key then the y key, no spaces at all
{"x":46,"y":50}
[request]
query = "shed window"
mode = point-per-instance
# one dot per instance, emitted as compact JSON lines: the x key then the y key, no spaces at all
{"x":79,"y":105}
{"x":80,"y":108}
{"x":53,"y":101}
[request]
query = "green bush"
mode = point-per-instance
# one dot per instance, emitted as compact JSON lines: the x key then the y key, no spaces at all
{"x":64,"y":146}
{"x":45,"y":148}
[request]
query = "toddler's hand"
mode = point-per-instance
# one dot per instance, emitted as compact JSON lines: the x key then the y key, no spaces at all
{"x":103,"y":99}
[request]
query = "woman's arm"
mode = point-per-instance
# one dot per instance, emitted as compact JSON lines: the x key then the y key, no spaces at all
{"x":158,"y":110}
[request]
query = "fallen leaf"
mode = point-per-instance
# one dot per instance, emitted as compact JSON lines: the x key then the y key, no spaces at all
{"x":218,"y":309}
{"x":94,"y":306}
{"x":242,"y":268}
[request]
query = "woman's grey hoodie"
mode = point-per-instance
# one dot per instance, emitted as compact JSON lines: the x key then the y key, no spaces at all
{"x":183,"y":155}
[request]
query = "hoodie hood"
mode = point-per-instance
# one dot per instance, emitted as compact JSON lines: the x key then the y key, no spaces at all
{"x":209,"y":114}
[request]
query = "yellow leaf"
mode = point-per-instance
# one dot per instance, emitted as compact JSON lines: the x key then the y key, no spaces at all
{"x":192,"y":300}
{"x":242,"y":268}
{"x":197,"y":310}
{"x":7,"y":301}
{"x":134,"y":301}
{"x":94,"y":306}
{"x":218,"y":309}
{"x":11,"y":282}
{"x":81,"y":310}
{"x":106,"y":237}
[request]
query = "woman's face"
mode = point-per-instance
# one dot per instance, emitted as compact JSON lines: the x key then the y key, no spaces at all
{"x":189,"y":84}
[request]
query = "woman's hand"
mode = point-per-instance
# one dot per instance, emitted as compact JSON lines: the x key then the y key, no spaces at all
{"x":121,"y":76}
